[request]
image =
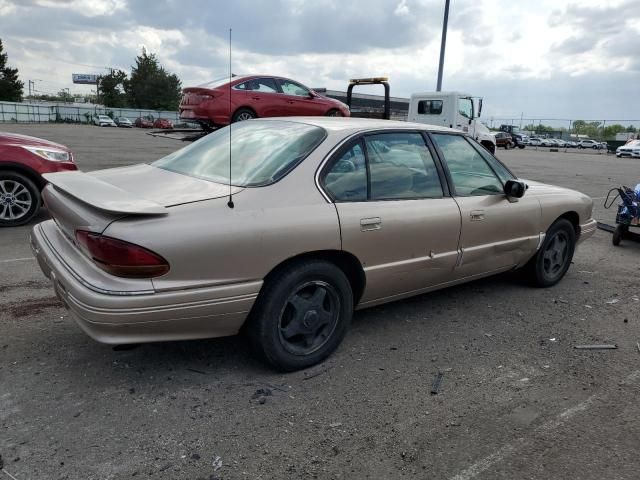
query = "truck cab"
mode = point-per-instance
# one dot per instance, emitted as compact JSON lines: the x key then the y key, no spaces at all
{"x":454,"y":110}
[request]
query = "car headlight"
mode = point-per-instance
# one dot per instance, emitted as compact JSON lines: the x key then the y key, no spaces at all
{"x":50,"y":153}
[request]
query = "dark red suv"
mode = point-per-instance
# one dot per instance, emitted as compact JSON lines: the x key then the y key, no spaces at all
{"x":23,"y":160}
{"x":251,"y":97}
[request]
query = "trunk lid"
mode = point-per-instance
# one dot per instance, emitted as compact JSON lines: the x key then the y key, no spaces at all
{"x":194,"y":96}
{"x":91,"y":201}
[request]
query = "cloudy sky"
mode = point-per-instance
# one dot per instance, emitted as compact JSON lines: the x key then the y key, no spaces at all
{"x":540,"y":58}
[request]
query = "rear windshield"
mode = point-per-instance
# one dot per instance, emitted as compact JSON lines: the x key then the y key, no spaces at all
{"x":262,"y":152}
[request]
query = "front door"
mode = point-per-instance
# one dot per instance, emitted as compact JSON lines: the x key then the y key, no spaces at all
{"x":393,"y":213}
{"x":497,"y":233}
{"x":300,"y":101}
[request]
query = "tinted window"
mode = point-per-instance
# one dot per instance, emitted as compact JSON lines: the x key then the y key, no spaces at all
{"x":266,"y":85}
{"x":291,"y":88}
{"x":470,"y":173}
{"x":262,"y":152}
{"x":346,"y":181}
{"x":401,"y":167}
{"x":430,"y":107}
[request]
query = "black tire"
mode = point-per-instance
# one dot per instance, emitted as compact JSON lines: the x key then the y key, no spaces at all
{"x":552,"y":260}
{"x":521,"y":147}
{"x":507,"y":146}
{"x":19,"y":198}
{"x":595,"y":147}
{"x":243,"y":114}
{"x":618,"y":235}
{"x":580,"y":147}
{"x":276,"y":328}
{"x":334,"y":112}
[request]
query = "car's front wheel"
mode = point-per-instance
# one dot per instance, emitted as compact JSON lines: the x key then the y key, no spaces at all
{"x":334,"y":112}
{"x":302,"y":314}
{"x":553,"y":259}
{"x":19,"y":199}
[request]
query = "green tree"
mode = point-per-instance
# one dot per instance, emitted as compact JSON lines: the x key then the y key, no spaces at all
{"x":112,"y":89}
{"x":540,"y":128}
{"x":631,"y":129}
{"x":151,"y":86}
{"x":611,"y":130}
{"x":10,"y":86}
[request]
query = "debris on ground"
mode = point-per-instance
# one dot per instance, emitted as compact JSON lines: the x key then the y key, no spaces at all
{"x":315,"y":372}
{"x":612,"y":301}
{"x":638,"y":345}
{"x":596,"y":347}
{"x":335,"y":424}
{"x":261,"y":395}
{"x":195,"y":370}
{"x":217,"y":463}
{"x":437,"y":381}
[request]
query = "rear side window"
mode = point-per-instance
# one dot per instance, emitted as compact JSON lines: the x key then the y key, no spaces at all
{"x":346,"y":181}
{"x":430,"y":107}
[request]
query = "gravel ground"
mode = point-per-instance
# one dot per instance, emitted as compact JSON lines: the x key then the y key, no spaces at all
{"x":516,"y":400}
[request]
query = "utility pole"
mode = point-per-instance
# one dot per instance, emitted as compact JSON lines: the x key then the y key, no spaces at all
{"x":443,"y":44}
{"x":30,"y":83}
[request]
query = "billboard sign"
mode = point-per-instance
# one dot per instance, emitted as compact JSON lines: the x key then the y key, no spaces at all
{"x":84,"y":78}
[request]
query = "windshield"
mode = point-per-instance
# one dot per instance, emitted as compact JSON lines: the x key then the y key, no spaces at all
{"x":262,"y":152}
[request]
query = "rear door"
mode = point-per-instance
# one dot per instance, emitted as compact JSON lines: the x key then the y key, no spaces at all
{"x":496,"y":233}
{"x":261,"y":94}
{"x":299,"y":100}
{"x":395,"y":215}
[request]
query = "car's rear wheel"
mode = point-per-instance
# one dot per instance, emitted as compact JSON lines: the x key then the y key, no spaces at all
{"x":334,"y":112}
{"x":19,"y":199}
{"x":243,"y":114}
{"x":507,"y":146}
{"x":553,"y":259}
{"x":301,"y":315}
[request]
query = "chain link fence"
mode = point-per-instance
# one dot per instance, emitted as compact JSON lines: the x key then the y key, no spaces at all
{"x":47,"y":112}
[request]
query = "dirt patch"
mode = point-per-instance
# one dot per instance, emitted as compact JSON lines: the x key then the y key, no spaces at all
{"x":32,"y":307}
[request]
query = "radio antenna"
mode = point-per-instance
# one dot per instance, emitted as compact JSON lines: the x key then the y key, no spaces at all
{"x":230,"y":202}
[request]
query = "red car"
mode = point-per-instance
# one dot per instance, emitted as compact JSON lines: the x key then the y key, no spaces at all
{"x":23,"y":160}
{"x":162,"y":123}
{"x":142,"y":122}
{"x":251,"y":97}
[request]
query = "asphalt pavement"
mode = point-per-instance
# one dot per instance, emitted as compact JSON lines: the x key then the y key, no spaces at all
{"x":517,"y":400}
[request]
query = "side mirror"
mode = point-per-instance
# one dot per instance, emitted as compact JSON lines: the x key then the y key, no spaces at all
{"x":515,"y":188}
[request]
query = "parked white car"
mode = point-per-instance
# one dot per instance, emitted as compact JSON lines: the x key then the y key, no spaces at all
{"x":588,"y":144}
{"x":103,"y":121}
{"x":535,"y":141}
{"x":631,"y":149}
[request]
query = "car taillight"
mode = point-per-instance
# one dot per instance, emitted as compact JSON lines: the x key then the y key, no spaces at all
{"x":121,"y":258}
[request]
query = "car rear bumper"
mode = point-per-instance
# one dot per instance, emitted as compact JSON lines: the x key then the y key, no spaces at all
{"x":587,"y":230}
{"x":144,"y":316}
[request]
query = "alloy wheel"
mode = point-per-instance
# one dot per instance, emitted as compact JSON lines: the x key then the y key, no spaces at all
{"x":555,"y":254}
{"x":15,"y":200}
{"x":309,"y":317}
{"x":244,"y":116}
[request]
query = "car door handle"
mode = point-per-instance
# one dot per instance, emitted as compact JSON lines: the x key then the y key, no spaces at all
{"x":477,"y":215}
{"x":255,"y":98}
{"x":291,"y":101}
{"x":372,"y":223}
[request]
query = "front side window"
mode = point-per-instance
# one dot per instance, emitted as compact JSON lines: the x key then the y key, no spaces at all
{"x":291,"y":88}
{"x":430,"y":107}
{"x":470,"y":173}
{"x":346,"y":181}
{"x":262,"y":152}
{"x":465,"y":107}
{"x":498,"y":167}
{"x":401,"y":167}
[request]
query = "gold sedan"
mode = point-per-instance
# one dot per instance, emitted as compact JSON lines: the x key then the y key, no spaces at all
{"x":282,"y":227}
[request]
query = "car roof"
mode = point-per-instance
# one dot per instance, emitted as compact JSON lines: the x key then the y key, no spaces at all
{"x":357,"y":124}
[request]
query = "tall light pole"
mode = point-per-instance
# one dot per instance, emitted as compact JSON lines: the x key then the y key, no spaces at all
{"x":443,"y":44}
